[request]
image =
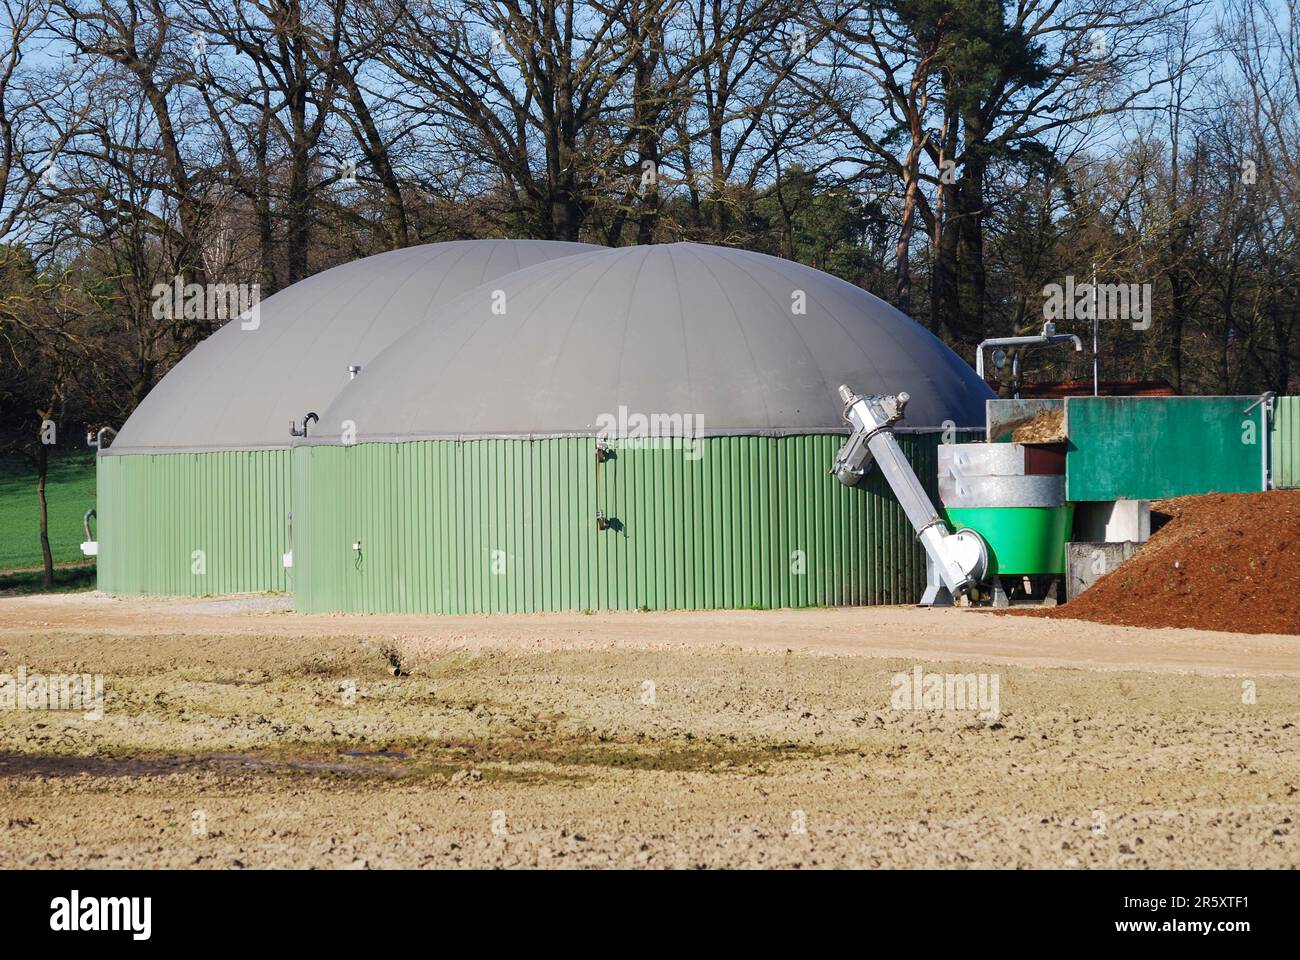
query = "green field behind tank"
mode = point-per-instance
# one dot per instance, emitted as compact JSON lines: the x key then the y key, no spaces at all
{"x":69,"y":493}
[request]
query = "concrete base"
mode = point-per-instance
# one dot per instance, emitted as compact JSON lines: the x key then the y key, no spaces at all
{"x":1112,"y":521}
{"x":1086,"y":563}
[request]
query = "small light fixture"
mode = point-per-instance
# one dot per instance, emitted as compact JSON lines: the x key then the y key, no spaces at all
{"x":307,"y":421}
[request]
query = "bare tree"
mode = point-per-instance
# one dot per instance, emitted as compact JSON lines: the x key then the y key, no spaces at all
{"x":281,"y":62}
{"x":523,"y":89}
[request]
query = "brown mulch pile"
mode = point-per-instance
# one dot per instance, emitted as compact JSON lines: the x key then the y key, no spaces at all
{"x":1221,"y":562}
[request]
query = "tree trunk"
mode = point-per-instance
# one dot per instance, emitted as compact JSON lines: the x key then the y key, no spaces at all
{"x":376,"y":151}
{"x":648,"y":216}
{"x":298,"y":231}
{"x":42,"y":469}
{"x":647,"y":106}
{"x":1177,"y":315}
{"x":902,"y":253}
{"x":971,"y":282}
{"x":566,"y":210}
{"x":943,"y":269}
{"x":566,"y":217}
{"x":719,"y":217}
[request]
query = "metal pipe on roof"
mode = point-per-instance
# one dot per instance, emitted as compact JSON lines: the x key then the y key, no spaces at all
{"x":1048,"y":335}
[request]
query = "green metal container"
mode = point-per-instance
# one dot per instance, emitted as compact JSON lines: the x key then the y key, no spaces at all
{"x":1021,"y":539}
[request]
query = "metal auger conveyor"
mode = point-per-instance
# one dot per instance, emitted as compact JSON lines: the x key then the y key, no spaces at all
{"x":955,"y":561}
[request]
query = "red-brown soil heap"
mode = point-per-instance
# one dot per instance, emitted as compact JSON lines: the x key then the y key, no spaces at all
{"x":1221,"y":562}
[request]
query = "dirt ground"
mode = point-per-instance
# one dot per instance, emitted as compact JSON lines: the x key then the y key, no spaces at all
{"x":238,"y":734}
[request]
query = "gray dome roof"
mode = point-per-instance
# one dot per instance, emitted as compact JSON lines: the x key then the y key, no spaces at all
{"x":669,"y":329}
{"x":239,"y":389}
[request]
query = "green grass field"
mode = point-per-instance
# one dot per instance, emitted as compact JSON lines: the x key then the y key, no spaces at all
{"x":70,"y":492}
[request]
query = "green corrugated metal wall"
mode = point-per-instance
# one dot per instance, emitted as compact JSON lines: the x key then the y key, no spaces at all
{"x":509,"y":525}
{"x":431,"y":518}
{"x":1286,"y":443}
{"x":155,"y":510}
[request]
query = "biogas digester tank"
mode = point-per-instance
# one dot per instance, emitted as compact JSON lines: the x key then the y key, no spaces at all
{"x":635,"y":427}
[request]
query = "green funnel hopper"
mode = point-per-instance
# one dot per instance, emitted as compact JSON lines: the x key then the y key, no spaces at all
{"x":1021,"y":540}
